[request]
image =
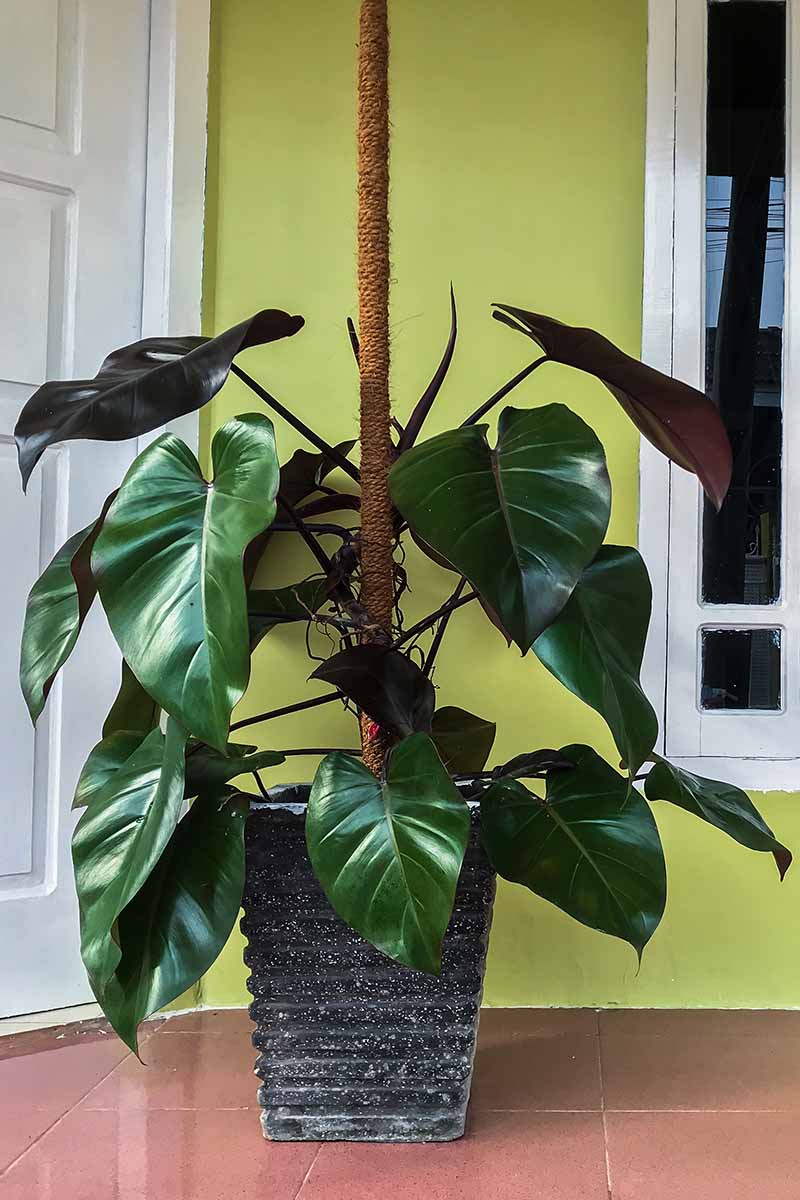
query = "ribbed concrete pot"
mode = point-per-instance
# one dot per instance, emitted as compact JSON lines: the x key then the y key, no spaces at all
{"x":353,"y":1047}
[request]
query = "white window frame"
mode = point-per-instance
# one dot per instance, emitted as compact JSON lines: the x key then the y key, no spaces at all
{"x":756,"y":750}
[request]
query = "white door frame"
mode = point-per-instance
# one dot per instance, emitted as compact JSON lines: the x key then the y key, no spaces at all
{"x":176,"y":174}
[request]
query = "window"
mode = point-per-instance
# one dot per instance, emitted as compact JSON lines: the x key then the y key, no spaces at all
{"x":724,"y":650}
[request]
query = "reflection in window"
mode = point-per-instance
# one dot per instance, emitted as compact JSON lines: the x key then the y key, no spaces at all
{"x":741,"y":669}
{"x":744,"y":294}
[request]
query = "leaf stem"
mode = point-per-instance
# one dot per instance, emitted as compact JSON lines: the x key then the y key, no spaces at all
{"x":318,"y":750}
{"x":504,"y":390}
{"x":420,"y":627}
{"x":262,"y":393}
{"x":287,"y":709}
{"x":427,"y":666}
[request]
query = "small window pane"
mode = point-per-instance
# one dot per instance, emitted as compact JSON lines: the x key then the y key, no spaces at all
{"x":741,"y":669}
{"x":744,"y":292}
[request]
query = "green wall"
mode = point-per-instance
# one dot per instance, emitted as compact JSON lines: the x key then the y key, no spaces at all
{"x":517,"y":167}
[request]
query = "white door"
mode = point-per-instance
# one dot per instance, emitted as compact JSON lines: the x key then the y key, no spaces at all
{"x":73,"y":127}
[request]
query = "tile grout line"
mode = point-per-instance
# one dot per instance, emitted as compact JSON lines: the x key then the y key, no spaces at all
{"x":603,"y":1107}
{"x":63,"y":1116}
{"x":307,"y":1175}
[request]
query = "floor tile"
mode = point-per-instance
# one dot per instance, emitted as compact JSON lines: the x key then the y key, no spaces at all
{"x":183,"y":1070}
{"x":706,"y":1022}
{"x":516,"y":1156}
{"x":530,"y":1059}
{"x":136,"y":1155}
{"x":703,"y":1156}
{"x":730,"y":1073}
{"x":211,"y":1020}
{"x":46,"y":1078}
{"x":20,"y":1128}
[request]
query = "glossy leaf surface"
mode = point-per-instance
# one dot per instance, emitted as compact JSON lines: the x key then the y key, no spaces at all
{"x":387,"y":685}
{"x":132,"y":707}
{"x":120,"y":838}
{"x":533,"y":764}
{"x":595,"y":647}
{"x":268,"y":607}
{"x":680,"y":421}
{"x":388,"y":852}
{"x":591,"y":848}
{"x":53,"y":618}
{"x":168,"y":564}
{"x":178,"y":922}
{"x":140,"y":387}
{"x":464,"y":741}
{"x":207,"y":769}
{"x":104,"y":760}
{"x":720,"y":804}
{"x":520,"y":521}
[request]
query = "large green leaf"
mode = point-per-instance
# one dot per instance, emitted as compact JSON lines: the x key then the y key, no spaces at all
{"x":56,"y":609}
{"x":520,"y":521}
{"x":679,"y":420}
{"x":120,"y":838}
{"x":168,"y":565}
{"x":104,"y":760}
{"x":387,"y":685}
{"x":180,"y":919}
{"x":590,"y":847}
{"x":268,"y":607}
{"x":132,"y":707}
{"x":463,"y":740}
{"x":720,"y":804}
{"x":207,"y":769}
{"x":595,"y":647}
{"x":388,"y":852}
{"x":140,"y":387}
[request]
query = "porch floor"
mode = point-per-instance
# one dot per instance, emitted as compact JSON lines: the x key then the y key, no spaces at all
{"x":627,"y":1105}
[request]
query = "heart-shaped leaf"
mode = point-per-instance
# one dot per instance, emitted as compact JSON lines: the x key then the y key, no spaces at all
{"x":207,"y":769}
{"x":464,"y":741}
{"x":388,"y":852}
{"x":120,"y":838}
{"x":140,"y":387}
{"x":679,"y":421}
{"x":720,"y":804}
{"x":180,"y":919}
{"x":520,"y":521}
{"x":591,"y":847}
{"x":267,"y":608}
{"x":387,"y":685}
{"x":595,"y":647}
{"x":132,"y":709}
{"x":55,"y":612}
{"x":168,"y":565}
{"x":104,"y":760}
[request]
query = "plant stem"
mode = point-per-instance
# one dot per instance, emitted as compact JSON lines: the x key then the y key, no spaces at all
{"x":285,"y":711}
{"x":262,"y":393}
{"x":420,"y":627}
{"x":261,"y":787}
{"x":504,"y":390}
{"x":309,"y":539}
{"x":427,"y":666}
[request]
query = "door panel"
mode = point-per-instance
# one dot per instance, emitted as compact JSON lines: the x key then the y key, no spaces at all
{"x":73,"y":125}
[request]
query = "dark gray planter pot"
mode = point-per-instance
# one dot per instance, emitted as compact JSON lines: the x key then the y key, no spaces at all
{"x":352,"y":1046}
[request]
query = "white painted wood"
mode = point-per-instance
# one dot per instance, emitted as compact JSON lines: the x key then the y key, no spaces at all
{"x":757,"y":750}
{"x":87,"y":154}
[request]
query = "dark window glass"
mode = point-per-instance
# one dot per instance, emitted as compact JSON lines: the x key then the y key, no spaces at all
{"x":741,"y":669}
{"x":744,"y":292}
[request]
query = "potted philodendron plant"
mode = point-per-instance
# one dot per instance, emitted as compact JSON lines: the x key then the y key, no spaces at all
{"x":367,"y":948}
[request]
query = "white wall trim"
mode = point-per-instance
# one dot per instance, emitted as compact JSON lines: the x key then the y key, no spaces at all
{"x":176,"y":173}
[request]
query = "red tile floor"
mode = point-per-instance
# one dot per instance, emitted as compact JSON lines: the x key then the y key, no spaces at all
{"x":566,"y":1105}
